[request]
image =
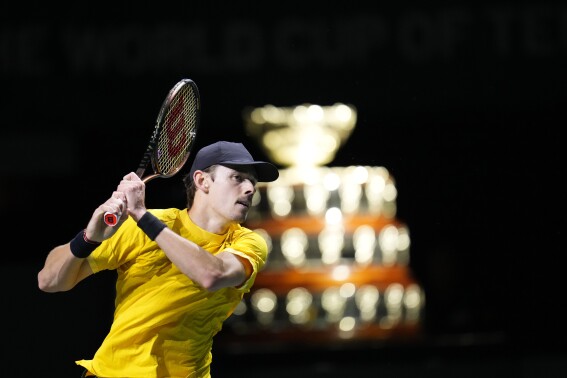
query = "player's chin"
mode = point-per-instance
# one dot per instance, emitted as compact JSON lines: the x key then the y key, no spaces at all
{"x":241,"y":214}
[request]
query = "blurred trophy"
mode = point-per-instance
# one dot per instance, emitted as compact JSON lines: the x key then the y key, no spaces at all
{"x":302,"y":136}
{"x":338,"y":265}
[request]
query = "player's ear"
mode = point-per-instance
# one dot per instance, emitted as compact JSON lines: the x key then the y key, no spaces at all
{"x":201,"y":180}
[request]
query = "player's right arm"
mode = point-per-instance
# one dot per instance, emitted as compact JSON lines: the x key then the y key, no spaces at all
{"x":62,"y":270}
{"x":66,"y":265}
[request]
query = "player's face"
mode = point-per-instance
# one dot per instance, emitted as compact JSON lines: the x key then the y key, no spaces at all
{"x":232,"y":191}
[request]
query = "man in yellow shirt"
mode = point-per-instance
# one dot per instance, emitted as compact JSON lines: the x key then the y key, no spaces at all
{"x":181,"y":273}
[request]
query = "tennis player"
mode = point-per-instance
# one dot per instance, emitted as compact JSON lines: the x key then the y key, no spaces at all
{"x":180,"y":272}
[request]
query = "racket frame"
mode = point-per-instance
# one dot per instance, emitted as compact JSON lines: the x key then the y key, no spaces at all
{"x":150,"y":155}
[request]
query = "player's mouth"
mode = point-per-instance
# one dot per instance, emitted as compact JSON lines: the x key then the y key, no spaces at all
{"x":244,"y":203}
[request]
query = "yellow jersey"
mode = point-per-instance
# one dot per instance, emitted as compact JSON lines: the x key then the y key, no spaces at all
{"x":164,"y":323}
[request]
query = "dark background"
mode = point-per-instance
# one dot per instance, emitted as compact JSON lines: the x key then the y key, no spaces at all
{"x":463,"y":102}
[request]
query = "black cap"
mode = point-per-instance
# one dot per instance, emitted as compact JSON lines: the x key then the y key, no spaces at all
{"x":233,"y":154}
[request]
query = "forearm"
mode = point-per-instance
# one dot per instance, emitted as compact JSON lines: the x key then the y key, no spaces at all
{"x":209,"y":271}
{"x":66,"y":265}
{"x":62,"y":270}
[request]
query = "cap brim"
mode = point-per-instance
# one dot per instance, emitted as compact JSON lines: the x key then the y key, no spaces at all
{"x":265,"y":172}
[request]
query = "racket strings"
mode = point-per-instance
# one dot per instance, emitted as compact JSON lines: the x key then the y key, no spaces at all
{"x":178,"y":134}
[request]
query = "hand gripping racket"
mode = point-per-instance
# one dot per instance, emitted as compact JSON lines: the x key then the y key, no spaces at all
{"x":173,"y":136}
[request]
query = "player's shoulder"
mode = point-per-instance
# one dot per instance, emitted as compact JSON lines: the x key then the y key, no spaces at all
{"x":241,"y":231}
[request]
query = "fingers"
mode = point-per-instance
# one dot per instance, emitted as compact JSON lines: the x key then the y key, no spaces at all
{"x":128,"y":199}
{"x":118,"y":200}
{"x":115,"y":204}
{"x":107,"y":217}
{"x":130,"y":183}
{"x":132,"y":177}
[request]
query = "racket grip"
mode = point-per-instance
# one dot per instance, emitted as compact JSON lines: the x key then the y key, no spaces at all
{"x":110,"y":219}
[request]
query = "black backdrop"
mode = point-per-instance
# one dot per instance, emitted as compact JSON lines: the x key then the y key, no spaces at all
{"x":463,"y":102}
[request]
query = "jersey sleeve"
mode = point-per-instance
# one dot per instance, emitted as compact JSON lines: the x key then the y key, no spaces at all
{"x":251,"y":246}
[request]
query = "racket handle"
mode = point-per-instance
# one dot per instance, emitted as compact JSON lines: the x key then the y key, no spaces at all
{"x":110,"y":219}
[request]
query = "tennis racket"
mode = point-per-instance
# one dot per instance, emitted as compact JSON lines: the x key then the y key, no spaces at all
{"x":173,"y":136}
